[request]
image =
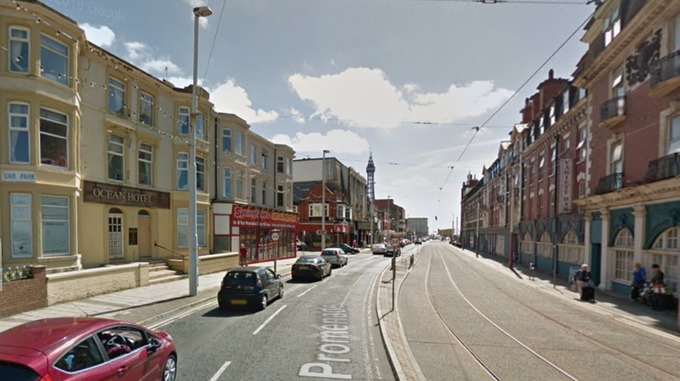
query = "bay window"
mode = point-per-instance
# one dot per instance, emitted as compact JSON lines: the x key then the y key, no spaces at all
{"x":182,"y":171}
{"x":146,"y":103}
{"x":54,"y":60}
{"x":183,"y":117}
{"x":53,"y":138}
{"x":226,"y":182}
{"x":200,"y":174}
{"x":226,"y":140}
{"x":55,"y":225}
{"x":21,"y":231}
{"x":19,"y":138}
{"x":19,"y":49}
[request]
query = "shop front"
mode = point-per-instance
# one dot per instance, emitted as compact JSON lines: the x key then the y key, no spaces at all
{"x":267,"y":234}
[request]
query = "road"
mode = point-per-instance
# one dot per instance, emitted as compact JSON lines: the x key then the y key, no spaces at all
{"x":325,"y":329}
{"x":467,"y":321}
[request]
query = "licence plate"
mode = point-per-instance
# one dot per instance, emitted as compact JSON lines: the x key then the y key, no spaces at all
{"x":303,"y":267}
{"x":239,"y":302}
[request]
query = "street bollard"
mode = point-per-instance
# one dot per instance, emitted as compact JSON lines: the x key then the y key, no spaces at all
{"x":410,"y":262}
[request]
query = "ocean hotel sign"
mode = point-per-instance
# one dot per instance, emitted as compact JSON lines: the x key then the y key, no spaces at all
{"x":125,"y":196}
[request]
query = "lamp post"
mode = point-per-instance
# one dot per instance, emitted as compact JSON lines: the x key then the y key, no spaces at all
{"x":323,"y":200}
{"x":193,"y":232}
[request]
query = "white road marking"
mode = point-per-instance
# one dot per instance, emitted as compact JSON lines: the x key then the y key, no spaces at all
{"x":182,"y":315}
{"x":268,"y":320}
{"x":220,"y":371}
{"x":308,"y":290}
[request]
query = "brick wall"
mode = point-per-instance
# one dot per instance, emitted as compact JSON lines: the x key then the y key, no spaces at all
{"x":24,"y":295}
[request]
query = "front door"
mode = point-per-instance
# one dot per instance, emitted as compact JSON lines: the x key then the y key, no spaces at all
{"x":115,"y":236}
{"x":144,"y":235}
{"x":596,"y":262}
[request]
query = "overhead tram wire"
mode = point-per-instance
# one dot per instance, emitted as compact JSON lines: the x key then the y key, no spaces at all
{"x":580,"y":27}
{"x":212,"y":47}
{"x":522,"y":2}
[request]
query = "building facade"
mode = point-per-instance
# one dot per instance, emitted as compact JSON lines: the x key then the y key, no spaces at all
{"x":418,"y":226}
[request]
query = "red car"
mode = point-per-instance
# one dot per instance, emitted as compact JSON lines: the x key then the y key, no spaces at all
{"x":80,"y":348}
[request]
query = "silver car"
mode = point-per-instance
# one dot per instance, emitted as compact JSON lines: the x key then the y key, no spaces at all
{"x":379,"y":248}
{"x":336,"y":257}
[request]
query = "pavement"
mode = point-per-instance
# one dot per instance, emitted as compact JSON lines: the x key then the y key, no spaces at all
{"x":151,"y":305}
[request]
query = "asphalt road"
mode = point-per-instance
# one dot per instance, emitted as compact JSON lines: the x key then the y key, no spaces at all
{"x":318,"y":330}
{"x":466,"y":321}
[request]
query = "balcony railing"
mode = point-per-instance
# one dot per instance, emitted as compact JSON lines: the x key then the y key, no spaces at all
{"x":667,"y":68}
{"x":613,"y":111}
{"x":610,"y":183}
{"x":663,"y":168}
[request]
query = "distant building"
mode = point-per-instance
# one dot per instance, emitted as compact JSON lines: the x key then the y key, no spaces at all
{"x":418,"y":226}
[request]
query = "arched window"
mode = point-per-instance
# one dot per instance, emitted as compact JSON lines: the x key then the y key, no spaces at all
{"x":544,"y":246}
{"x":570,"y":250}
{"x":666,"y":253}
{"x":623,"y":255}
{"x":143,"y":213}
{"x":527,"y":245}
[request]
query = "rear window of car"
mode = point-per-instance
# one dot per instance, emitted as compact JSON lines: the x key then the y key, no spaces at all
{"x":306,"y":260}
{"x":17,"y":372}
{"x":329,"y":252}
{"x":244,"y":278}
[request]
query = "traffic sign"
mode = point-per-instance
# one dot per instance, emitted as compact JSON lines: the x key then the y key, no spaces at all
{"x":275,"y":236}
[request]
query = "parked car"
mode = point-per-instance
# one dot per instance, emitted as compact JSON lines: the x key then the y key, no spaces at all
{"x":419,"y":241}
{"x":336,"y":257}
{"x":346,"y":248}
{"x":86,"y":348}
{"x":392,"y":251}
{"x":310,"y":266}
{"x":249,"y":286}
{"x":301,"y":246}
{"x":379,"y":248}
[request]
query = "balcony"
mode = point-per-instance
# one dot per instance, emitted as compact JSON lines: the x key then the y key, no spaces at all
{"x":613,"y":112}
{"x":610,"y":183}
{"x":663,"y":168}
{"x":665,"y":76}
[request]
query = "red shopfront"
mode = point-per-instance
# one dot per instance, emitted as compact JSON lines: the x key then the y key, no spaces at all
{"x":267,"y":234}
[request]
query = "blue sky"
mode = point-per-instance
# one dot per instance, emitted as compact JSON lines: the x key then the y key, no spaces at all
{"x":405,"y":79}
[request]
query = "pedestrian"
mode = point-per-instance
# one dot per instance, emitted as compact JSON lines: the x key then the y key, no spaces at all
{"x":243,"y":256}
{"x":354,"y":243}
{"x":656,"y":299}
{"x":583,"y":280}
{"x":639,"y":279}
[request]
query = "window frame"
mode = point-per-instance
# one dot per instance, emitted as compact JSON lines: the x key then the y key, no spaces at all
{"x":12,"y":42}
{"x":673,"y":145}
{"x":111,"y":154}
{"x":18,"y":220}
{"x":616,"y":157}
{"x":279,"y":164}
{"x":226,"y":182}
{"x":66,"y":76}
{"x":148,"y":100}
{"x":238,"y":143}
{"x":53,"y":222}
{"x":115,"y":87}
{"x":47,"y":135}
{"x":18,"y":130}
{"x":253,"y":190}
{"x":264,"y":192}
{"x":145,"y":159}
{"x":200,"y":174}
{"x":253,"y":154}
{"x":240,"y":183}
{"x":183,"y":118}
{"x":182,"y":170}
{"x":264,"y":158}
{"x":200,"y":126}
{"x":226,"y":140}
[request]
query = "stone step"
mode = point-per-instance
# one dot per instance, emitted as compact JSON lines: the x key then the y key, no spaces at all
{"x":168,"y":278}
{"x":158,"y":266}
{"x":161,"y":273}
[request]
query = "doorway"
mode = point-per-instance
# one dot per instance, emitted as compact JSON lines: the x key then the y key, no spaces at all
{"x":115,"y":234}
{"x":144,"y":234}
{"x":596,"y":265}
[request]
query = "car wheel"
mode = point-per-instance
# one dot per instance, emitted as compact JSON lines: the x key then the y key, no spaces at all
{"x":170,"y":368}
{"x":263,"y":302}
{"x":281,"y":292}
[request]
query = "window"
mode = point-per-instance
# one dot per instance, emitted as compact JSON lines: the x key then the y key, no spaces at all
{"x":565,"y":102}
{"x":664,"y":252}
{"x":146,"y":109}
{"x":553,"y":116}
{"x":183,"y":121}
{"x":544,"y":247}
{"x":19,"y":138}
{"x":253,"y":159}
{"x":116,"y":97}
{"x":668,"y":240}
{"x":623,"y":254}
{"x":85,"y":354}
{"x":253,"y":191}
{"x":570,"y":250}
{"x":567,"y":142}
{"x":618,"y":88}
{"x":315,"y":210}
{"x":674,"y":136}
{"x":541,"y":125}
{"x":55,"y":225}
{"x":616,"y":162}
{"x":116,"y":167}
{"x":226,"y":140}
{"x":279,"y":164}
{"x":611,"y":24}
{"x":238,"y":143}
{"x":54,"y":60}
{"x":264,"y":193}
{"x":288,"y":166}
{"x":145,"y":164}
{"x":200,"y":174}
{"x":182,"y":171}
{"x":239,"y":183}
{"x":280,"y":197}
{"x":19,"y":50}
{"x":553,"y":160}
{"x":21,"y":230}
{"x":581,"y":146}
{"x":226,"y":183}
{"x":53,"y":138}
{"x":183,"y":227}
{"x":264,"y":158}
{"x":200,"y":126}
{"x":676,"y":35}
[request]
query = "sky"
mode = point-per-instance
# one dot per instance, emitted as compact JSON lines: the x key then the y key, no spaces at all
{"x":404,"y":79}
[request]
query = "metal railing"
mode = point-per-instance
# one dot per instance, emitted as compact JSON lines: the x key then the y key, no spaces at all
{"x":612,"y":108}
{"x":668,"y":67}
{"x":663,"y":168}
{"x":610,"y":183}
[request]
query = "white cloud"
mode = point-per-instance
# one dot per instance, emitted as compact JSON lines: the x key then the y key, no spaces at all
{"x":158,"y":66}
{"x":101,"y":35}
{"x":365,"y":97}
{"x":136,"y":50}
{"x":232,"y":98}
{"x":342,"y":141}
{"x":180,"y":81}
{"x":296,"y":115}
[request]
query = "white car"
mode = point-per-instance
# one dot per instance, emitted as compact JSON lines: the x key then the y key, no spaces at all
{"x":379,"y":248}
{"x":336,"y":257}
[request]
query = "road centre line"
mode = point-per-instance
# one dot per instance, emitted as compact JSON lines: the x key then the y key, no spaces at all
{"x":268,"y":320}
{"x":308,"y":290}
{"x":220,"y":371}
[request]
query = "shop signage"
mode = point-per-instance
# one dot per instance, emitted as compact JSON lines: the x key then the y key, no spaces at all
{"x":246,"y":216}
{"x":125,"y":196}
{"x":565,"y":189}
{"x":18,"y":176}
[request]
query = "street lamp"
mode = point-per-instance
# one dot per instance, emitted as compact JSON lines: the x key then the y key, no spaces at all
{"x":323,"y":200}
{"x":193,"y":231}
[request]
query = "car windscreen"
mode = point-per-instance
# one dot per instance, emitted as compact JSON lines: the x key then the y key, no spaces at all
{"x":17,"y":372}
{"x":244,"y":278}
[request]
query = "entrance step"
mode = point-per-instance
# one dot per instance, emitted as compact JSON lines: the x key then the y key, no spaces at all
{"x":159,"y":272}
